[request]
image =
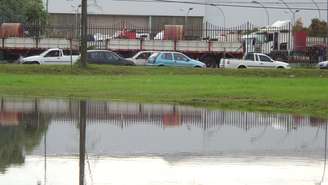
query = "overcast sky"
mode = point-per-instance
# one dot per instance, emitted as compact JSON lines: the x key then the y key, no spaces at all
{"x":234,"y":16}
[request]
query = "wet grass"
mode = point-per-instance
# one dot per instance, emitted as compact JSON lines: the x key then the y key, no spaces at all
{"x":299,"y":91}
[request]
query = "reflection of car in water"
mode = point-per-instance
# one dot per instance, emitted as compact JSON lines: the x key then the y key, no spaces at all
{"x":172,"y":120}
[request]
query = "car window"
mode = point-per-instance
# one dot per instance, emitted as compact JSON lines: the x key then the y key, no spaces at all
{"x":167,"y":56}
{"x":96,"y":56}
{"x":249,"y":56}
{"x":264,"y":58}
{"x":144,"y":56}
{"x":54,"y":53}
{"x":115,"y":56}
{"x":109,"y":56}
{"x":180,"y":57}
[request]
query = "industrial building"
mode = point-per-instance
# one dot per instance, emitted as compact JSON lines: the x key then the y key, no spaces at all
{"x":108,"y":24}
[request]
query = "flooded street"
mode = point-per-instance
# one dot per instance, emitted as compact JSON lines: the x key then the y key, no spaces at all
{"x":146,"y":144}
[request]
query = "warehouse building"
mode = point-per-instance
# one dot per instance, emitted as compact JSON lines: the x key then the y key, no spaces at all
{"x":112,"y":17}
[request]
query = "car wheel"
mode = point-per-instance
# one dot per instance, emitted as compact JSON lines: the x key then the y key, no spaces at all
{"x":197,"y":67}
{"x":280,"y":67}
{"x":242,"y":67}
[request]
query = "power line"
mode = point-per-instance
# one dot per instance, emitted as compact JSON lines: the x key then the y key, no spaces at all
{"x":230,"y":4}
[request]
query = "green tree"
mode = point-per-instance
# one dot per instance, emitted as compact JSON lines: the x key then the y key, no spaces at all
{"x":318,"y":28}
{"x":299,"y":26}
{"x":24,"y":11}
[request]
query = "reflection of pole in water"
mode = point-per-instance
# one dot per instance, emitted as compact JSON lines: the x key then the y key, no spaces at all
{"x":325,"y":161}
{"x":45,"y":158}
{"x":82,"y":140}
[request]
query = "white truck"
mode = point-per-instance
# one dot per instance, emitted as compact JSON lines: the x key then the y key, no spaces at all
{"x":253,"y":60}
{"x":51,"y":56}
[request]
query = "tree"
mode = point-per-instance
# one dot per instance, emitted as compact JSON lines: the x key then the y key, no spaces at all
{"x":24,"y":11}
{"x":298,"y":27}
{"x":318,"y":28}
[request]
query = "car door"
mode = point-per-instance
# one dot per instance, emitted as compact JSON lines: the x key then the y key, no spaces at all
{"x":250,"y":60}
{"x":96,"y":57}
{"x":266,"y":62}
{"x":142,"y":58}
{"x":166,"y":59}
{"x":181,"y":60}
{"x":53,"y":57}
{"x":111,"y":58}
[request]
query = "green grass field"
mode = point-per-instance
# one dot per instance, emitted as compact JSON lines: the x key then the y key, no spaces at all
{"x":301,"y":91}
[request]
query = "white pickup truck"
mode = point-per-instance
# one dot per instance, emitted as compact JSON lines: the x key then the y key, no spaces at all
{"x":51,"y":56}
{"x":253,"y":60}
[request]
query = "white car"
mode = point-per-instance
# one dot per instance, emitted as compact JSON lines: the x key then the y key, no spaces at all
{"x":253,"y":60}
{"x":141,"y":57}
{"x":323,"y":65}
{"x":51,"y":56}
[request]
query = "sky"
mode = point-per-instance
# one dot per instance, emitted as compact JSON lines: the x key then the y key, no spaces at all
{"x":233,"y":15}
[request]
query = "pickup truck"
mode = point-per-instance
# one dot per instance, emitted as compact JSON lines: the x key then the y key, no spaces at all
{"x":50,"y":56}
{"x":253,"y":60}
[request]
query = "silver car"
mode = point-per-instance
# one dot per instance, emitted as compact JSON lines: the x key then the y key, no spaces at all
{"x":141,"y":57}
{"x":323,"y":65}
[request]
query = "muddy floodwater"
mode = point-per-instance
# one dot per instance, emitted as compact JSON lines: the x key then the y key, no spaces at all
{"x":46,"y":141}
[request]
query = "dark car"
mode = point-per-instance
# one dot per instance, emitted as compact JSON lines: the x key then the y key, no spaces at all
{"x":107,"y":57}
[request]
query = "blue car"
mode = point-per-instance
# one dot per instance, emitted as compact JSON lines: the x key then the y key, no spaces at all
{"x":173,"y":59}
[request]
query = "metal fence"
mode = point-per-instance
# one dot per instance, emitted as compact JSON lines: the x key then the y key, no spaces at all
{"x":280,"y":42}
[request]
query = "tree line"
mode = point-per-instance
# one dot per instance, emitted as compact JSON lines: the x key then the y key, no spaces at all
{"x":317,"y":28}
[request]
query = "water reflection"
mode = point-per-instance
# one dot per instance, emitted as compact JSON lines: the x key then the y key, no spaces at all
{"x":172,"y":144}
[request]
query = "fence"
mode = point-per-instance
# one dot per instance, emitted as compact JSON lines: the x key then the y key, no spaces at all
{"x":278,"y":41}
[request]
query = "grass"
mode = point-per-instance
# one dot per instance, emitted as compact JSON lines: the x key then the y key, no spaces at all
{"x":301,"y":91}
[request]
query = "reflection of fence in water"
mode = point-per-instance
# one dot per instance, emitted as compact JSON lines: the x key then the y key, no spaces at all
{"x":130,"y":114}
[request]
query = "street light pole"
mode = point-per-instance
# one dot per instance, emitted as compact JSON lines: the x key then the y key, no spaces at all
{"x":291,"y":11}
{"x":266,"y":11}
{"x":187,"y":14}
{"x":84,"y":26}
{"x":317,"y":6}
{"x":294,"y":15}
{"x":222,"y":12}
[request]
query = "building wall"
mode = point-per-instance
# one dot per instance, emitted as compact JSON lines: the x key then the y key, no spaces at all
{"x":109,"y":24}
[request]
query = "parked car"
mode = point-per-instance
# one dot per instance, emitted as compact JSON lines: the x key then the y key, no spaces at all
{"x":51,"y":56}
{"x":107,"y":57}
{"x":253,"y":60}
{"x":141,"y":57}
{"x":174,"y":59}
{"x":323,"y":65}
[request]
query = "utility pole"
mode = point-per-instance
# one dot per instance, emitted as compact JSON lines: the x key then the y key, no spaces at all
{"x":84,"y":25}
{"x":327,"y":33}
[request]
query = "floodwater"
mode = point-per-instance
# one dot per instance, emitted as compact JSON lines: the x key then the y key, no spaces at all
{"x":42,"y":141}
